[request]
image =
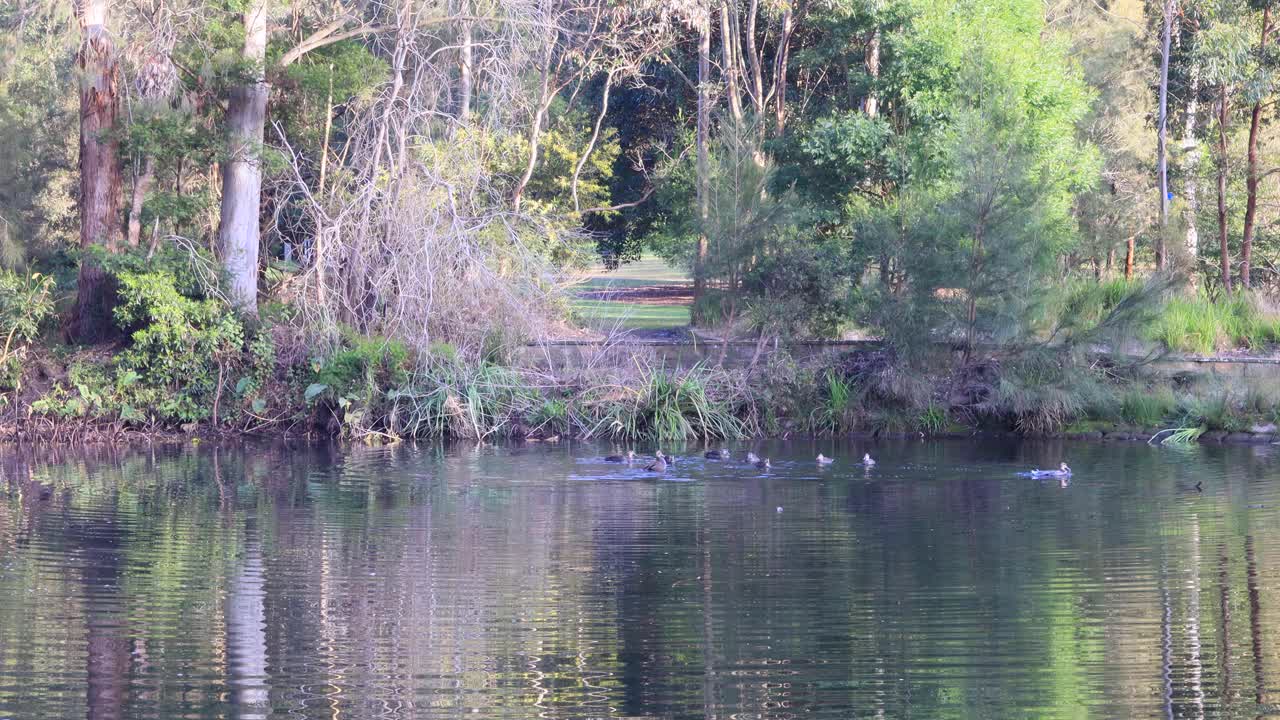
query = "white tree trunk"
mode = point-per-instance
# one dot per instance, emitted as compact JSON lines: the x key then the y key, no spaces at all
{"x":1190,"y":160}
{"x":1162,"y":131}
{"x":238,"y":234}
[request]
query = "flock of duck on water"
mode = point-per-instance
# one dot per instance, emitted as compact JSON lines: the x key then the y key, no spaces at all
{"x":663,"y":461}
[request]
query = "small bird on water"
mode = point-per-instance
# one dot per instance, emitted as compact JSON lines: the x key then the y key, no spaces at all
{"x":751,"y":458}
{"x":763,"y":464}
{"x":717,"y":455}
{"x":628,"y":458}
{"x":868,"y":460}
{"x":1063,"y":471}
{"x":824,"y":460}
{"x":659,"y":465}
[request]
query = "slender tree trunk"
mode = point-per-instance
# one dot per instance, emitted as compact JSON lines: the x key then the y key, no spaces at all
{"x":1191,"y":159}
{"x":238,"y":231}
{"x":728,"y":42}
{"x":755,"y":64}
{"x":141,"y":184}
{"x":1162,"y":133}
{"x":782,"y":60}
{"x":871,"y":103}
{"x":328,"y":131}
{"x":595,"y":137}
{"x":1251,"y":181}
{"x":703,"y":141}
{"x":467,"y":58}
{"x":1130,"y":249}
{"x":545,"y":97}
{"x":99,"y":168}
{"x":780,"y":71}
{"x":1224,"y":250}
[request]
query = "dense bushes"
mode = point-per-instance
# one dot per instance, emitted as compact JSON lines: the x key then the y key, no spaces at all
{"x":25,"y":303}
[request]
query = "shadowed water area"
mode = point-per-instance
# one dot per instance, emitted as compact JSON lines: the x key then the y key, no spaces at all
{"x":539,"y":581}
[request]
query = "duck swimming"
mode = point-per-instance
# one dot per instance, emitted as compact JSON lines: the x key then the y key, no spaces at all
{"x":717,"y":455}
{"x":763,"y":464}
{"x":628,"y":458}
{"x":868,"y":460}
{"x":659,"y":465}
{"x":1063,"y":471}
{"x":824,"y":460}
{"x":751,"y":458}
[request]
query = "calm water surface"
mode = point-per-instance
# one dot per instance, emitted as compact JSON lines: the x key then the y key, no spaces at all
{"x":524,"y":582}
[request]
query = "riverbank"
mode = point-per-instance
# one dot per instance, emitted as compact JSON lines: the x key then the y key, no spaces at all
{"x":371,"y":390}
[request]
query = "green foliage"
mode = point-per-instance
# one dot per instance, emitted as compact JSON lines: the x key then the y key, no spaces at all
{"x":188,"y":359}
{"x":181,"y":346}
{"x":1202,"y":326}
{"x":665,"y":406}
{"x":26,"y":302}
{"x":1147,"y":407}
{"x":838,"y":410}
{"x":1182,"y":436}
{"x":1213,"y":411}
{"x":451,"y":398}
{"x":357,"y":379}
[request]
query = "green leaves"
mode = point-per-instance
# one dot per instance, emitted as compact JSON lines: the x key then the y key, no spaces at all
{"x":314,"y":390}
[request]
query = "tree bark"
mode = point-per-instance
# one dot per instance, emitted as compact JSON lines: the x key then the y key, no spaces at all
{"x":99,"y":169}
{"x":1162,"y":132}
{"x":140,"y":186}
{"x":754,"y":64}
{"x":1130,"y":249}
{"x":467,"y":59}
{"x":1224,"y":250}
{"x":238,"y":231}
{"x":871,"y":103}
{"x":1251,"y":181}
{"x":780,"y":72}
{"x":1191,"y":159}
{"x":703,"y":140}
{"x":728,"y":42}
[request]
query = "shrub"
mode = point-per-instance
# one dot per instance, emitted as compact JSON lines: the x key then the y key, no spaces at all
{"x":356,"y":381}
{"x":665,"y":406}
{"x":1147,"y":407}
{"x":182,"y":347}
{"x":26,"y":301}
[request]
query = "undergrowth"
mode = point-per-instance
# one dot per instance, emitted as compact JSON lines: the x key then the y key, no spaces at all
{"x":1199,"y":325}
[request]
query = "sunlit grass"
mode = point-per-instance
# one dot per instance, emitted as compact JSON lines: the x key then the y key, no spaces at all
{"x":607,"y":314}
{"x":1202,"y":326}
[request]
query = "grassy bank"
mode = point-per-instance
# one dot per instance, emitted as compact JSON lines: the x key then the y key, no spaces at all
{"x":180,"y":362}
{"x":375,"y":390}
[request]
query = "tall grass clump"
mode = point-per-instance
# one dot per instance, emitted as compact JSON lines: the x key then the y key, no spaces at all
{"x":454,"y":398}
{"x":1042,"y":393}
{"x":661,"y":405}
{"x":837,"y":409}
{"x":1082,"y":304}
{"x":1147,"y":407}
{"x":1200,"y":325}
{"x":1215,"y":410}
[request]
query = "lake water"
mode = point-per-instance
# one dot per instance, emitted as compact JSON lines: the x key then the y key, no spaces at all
{"x":537,"y":581}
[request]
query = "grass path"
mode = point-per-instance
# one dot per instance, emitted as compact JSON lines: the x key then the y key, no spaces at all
{"x":647,"y":294}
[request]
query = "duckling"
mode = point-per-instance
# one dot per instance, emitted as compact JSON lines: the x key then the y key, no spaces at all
{"x":628,"y":458}
{"x":763,"y":464}
{"x":717,"y":455}
{"x":1063,"y":471}
{"x":868,"y":460}
{"x":751,"y":458}
{"x":824,"y":460}
{"x":659,"y":465}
